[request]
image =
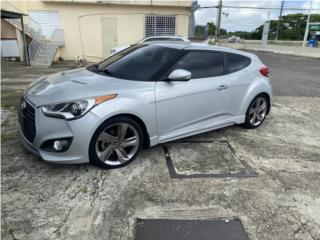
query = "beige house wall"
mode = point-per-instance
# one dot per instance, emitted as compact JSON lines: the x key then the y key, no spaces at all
{"x":182,"y":3}
{"x":7,"y":30}
{"x":82,"y":26}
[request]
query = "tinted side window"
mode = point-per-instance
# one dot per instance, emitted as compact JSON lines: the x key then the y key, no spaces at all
{"x":237,"y":62}
{"x":138,"y":63}
{"x":176,"y":39}
{"x":202,"y":64}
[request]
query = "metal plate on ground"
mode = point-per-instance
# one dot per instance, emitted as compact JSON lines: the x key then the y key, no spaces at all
{"x":170,"y":229}
{"x":201,"y":159}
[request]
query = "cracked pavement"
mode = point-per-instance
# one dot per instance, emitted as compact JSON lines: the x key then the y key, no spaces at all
{"x":47,"y":201}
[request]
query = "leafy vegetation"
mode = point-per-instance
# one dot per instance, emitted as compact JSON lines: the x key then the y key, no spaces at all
{"x":212,"y":29}
{"x":292,"y":27}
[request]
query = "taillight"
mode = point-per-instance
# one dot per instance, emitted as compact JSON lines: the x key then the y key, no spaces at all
{"x":264,"y":70}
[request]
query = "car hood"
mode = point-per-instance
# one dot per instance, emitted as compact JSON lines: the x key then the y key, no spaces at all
{"x":75,"y":84}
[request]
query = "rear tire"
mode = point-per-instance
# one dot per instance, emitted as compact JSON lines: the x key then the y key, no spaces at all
{"x":116,"y":143}
{"x":256,"y":112}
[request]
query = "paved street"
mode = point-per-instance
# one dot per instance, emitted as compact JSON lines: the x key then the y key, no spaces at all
{"x":293,"y":75}
{"x":268,"y":177}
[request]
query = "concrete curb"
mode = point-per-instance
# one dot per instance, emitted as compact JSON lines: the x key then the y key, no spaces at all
{"x":284,"y":52}
{"x":279,"y":49}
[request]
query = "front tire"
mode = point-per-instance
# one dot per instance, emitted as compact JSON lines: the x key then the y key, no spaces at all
{"x":257,"y":112}
{"x":116,"y":143}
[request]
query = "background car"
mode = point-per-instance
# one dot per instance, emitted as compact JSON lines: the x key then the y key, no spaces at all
{"x":147,"y":94}
{"x":234,"y":39}
{"x":152,"y":39}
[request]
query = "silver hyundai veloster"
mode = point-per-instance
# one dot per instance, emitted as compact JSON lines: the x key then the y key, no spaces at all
{"x":142,"y":96}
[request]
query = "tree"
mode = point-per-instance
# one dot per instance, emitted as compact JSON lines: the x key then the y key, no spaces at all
{"x":212,"y":29}
{"x":292,"y":27}
{"x":223,"y":31}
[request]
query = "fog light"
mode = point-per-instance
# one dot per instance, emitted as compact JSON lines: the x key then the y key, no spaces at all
{"x":60,"y":145}
{"x":56,"y":145}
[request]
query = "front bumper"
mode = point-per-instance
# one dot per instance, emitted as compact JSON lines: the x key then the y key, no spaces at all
{"x":48,"y":128}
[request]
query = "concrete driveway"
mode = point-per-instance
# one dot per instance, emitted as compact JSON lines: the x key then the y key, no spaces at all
{"x":268,"y":177}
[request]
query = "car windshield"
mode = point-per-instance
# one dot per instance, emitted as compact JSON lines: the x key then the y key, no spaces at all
{"x":139,"y":62}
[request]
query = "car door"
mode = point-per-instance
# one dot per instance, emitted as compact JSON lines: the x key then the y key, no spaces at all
{"x":240,"y":77}
{"x":189,"y":106}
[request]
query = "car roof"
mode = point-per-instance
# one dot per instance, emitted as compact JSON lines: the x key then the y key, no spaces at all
{"x":198,"y":46}
{"x":169,"y":44}
{"x":184,"y":39}
{"x":166,"y":36}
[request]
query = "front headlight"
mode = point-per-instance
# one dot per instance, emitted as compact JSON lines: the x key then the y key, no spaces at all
{"x":74,"y":109}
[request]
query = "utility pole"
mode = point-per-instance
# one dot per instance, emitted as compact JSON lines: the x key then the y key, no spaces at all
{"x":307,"y":27}
{"x":218,"y":21}
{"x":194,"y":7}
{"x":278,"y":26}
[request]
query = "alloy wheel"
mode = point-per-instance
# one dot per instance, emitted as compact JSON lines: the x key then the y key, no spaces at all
{"x":117,"y":144}
{"x":258,"y":111}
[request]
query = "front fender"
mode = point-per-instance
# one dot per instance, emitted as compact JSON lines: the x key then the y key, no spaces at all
{"x":145,"y":110}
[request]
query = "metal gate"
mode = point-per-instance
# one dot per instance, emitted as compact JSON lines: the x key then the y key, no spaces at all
{"x":159,"y":25}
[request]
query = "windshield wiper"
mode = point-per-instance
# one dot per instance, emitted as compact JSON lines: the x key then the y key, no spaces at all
{"x":106,"y":71}
{"x":95,"y":68}
{"x":92,"y":67}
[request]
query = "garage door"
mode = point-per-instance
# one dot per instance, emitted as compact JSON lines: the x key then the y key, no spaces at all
{"x":9,"y":48}
{"x":48,"y":20}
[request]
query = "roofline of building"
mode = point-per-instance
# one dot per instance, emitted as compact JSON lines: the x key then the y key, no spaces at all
{"x":180,"y":3}
{"x":11,"y":14}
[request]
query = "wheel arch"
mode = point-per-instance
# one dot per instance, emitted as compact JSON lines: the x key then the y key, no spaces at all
{"x":146,"y":137}
{"x":257,"y":87}
{"x":268,"y":99}
{"x":253,"y":96}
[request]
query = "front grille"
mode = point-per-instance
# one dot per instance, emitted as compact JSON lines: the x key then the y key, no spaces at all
{"x":27,"y":121}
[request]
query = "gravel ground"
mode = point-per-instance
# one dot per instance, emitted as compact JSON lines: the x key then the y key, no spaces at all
{"x":46,"y":201}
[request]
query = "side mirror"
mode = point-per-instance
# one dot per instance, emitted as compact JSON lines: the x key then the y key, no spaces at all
{"x":179,"y":75}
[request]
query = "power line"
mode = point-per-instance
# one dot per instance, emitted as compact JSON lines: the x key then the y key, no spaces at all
{"x":255,"y":10}
{"x":255,"y":1}
{"x":265,"y":8}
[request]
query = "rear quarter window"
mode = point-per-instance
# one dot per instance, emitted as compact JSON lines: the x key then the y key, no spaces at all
{"x":202,"y":63}
{"x":236,"y":62}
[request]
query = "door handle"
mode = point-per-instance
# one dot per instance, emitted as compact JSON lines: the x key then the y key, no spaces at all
{"x":222,"y":87}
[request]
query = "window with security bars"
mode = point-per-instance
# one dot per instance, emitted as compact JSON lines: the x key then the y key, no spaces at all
{"x":159,"y":25}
